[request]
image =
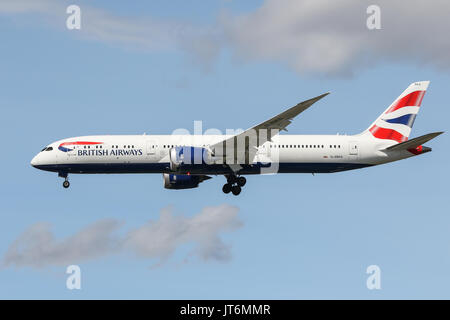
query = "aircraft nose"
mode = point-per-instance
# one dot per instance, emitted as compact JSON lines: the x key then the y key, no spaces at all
{"x":34,"y":161}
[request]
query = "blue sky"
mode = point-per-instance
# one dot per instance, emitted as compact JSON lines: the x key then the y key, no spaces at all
{"x":301,"y":236}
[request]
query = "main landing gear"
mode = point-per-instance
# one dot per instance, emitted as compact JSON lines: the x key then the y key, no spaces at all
{"x":234,"y":185}
{"x":66,"y":182}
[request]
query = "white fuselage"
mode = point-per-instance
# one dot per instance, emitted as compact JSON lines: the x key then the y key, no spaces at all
{"x":151,"y":154}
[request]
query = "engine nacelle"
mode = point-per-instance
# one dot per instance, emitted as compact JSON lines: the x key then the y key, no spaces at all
{"x":181,"y":181}
{"x":187,"y":158}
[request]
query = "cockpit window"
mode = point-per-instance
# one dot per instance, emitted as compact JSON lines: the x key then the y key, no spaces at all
{"x":49,"y":149}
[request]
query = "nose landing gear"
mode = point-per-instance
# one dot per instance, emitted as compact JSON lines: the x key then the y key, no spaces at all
{"x":66,"y":182}
{"x":234,"y":185}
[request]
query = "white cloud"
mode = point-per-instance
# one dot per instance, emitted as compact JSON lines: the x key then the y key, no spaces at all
{"x":147,"y":33}
{"x":309,"y":36}
{"x":28,"y":6}
{"x":323,"y":36}
{"x":159,"y":239}
{"x":37,"y":247}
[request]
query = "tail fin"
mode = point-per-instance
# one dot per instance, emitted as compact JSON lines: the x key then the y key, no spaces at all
{"x":396,"y":122}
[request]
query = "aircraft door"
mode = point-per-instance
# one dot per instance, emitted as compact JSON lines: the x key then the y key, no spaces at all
{"x":353,"y":150}
{"x":151,"y":147}
{"x":264,"y":153}
{"x":72,"y":152}
{"x":69,"y":155}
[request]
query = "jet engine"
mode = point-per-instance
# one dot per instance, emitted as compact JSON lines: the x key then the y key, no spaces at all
{"x":187,"y":158}
{"x":182,"y":181}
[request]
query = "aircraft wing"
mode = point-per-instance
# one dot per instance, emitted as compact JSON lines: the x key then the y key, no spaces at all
{"x":282,"y":120}
{"x":271,"y":128}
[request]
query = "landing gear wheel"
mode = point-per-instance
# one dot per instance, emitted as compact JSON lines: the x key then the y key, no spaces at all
{"x":231,"y":179}
{"x":226,"y":188}
{"x":236,"y":190}
{"x":66,"y":184}
{"x":241,"y":181}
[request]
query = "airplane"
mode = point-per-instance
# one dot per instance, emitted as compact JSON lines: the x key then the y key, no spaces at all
{"x":185,"y":161}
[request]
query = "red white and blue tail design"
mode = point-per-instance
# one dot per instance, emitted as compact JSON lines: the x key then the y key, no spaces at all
{"x":396,"y":122}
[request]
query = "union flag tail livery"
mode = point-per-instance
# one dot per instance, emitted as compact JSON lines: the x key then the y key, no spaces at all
{"x":185,"y":161}
{"x":396,"y":122}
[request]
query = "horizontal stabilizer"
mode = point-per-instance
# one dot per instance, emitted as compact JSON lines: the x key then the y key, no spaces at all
{"x":414,"y":143}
